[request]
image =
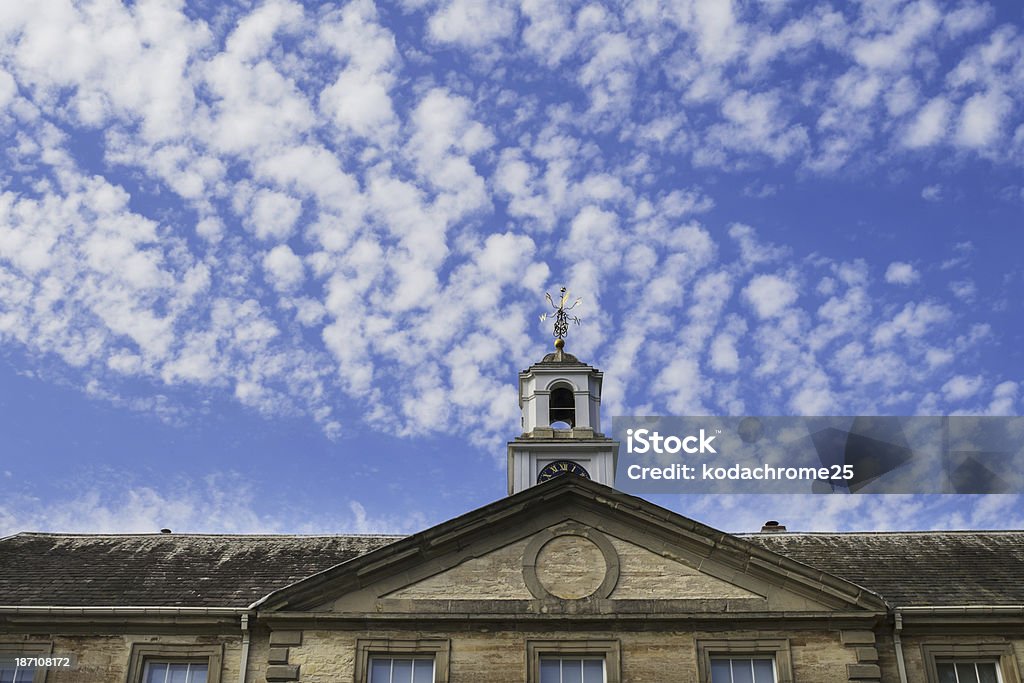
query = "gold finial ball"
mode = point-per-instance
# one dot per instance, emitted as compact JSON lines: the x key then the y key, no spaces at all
{"x":559,"y":343}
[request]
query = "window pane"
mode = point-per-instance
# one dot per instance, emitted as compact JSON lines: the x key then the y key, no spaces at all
{"x":6,"y":673}
{"x":156,"y":673}
{"x":572,"y":671}
{"x":593,"y":671}
{"x":720,"y":671}
{"x":742,"y":671}
{"x":401,"y":671}
{"x":178,"y":673}
{"x":987,"y":673}
{"x":423,"y":671}
{"x":550,"y":671}
{"x":946,"y":673}
{"x":764,"y":672}
{"x":966,"y":673}
{"x":198,"y":673}
{"x":380,"y":670}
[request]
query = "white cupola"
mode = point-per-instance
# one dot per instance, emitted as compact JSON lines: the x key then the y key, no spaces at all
{"x":560,"y":399}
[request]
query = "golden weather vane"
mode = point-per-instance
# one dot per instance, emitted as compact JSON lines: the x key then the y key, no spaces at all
{"x":561,"y":316}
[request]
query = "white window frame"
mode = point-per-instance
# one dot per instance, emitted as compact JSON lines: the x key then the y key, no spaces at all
{"x":143,"y":654}
{"x":189,"y":663}
{"x":606,"y":650}
{"x":733,"y":657}
{"x":1001,"y":654}
{"x":578,"y":658}
{"x":32,"y":650}
{"x":381,"y":648}
{"x":776,"y":649}
{"x":992,"y":662}
{"x":393,"y":657}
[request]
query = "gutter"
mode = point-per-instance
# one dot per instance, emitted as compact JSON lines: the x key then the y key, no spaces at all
{"x":244,"y":663}
{"x":964,"y":610}
{"x":35,"y":610}
{"x":900,"y":664}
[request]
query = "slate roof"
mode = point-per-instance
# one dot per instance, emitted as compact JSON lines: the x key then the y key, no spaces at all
{"x":911,"y":569}
{"x":188,"y":570}
{"x":164,"y":570}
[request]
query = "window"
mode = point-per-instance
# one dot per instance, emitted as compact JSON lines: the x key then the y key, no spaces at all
{"x":968,"y":672}
{"x":393,"y":670}
{"x":10,"y":672}
{"x":402,"y":661}
{"x":562,"y":407}
{"x":175,"y":672}
{"x":572,"y":661}
{"x":970,"y":663}
{"x":744,"y":661}
{"x":174,"y":663}
{"x":742,"y":670}
{"x":571,"y":670}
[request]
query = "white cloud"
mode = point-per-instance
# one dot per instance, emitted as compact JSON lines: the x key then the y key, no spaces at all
{"x":473,"y":23}
{"x":348,"y":189}
{"x":970,"y":16}
{"x":1004,"y":399}
{"x":547,"y":33}
{"x":981,"y":119}
{"x":217,"y":503}
{"x":284,"y":267}
{"x":913,"y":321}
{"x":752,"y":251}
{"x":901,"y":273}
{"x":962,"y":387}
{"x":932,"y":193}
{"x":724,"y":355}
{"x":965,"y":290}
{"x":254,"y":34}
{"x":360,"y":99}
{"x":8,"y":89}
{"x":756,"y":122}
{"x":770,"y":295}
{"x":893,"y":49}
{"x":273,"y":215}
{"x":862,"y":513}
{"x":929,"y":125}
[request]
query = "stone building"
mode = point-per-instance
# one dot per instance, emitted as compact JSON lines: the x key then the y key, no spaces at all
{"x":565,"y":580}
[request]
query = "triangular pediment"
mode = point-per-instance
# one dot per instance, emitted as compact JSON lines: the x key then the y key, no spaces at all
{"x":642,"y":574}
{"x":571,"y":546}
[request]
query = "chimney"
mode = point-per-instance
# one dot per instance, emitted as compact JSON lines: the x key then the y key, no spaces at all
{"x":773,"y":527}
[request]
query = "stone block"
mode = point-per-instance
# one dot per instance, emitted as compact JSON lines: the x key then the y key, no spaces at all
{"x":286,"y":638}
{"x":858,"y":637}
{"x":860,"y":672}
{"x":283,"y":672}
{"x":278,"y":655}
{"x":867,"y":654}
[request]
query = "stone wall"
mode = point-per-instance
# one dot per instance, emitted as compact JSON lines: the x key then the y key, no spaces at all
{"x":105,"y":658}
{"x":501,"y":657}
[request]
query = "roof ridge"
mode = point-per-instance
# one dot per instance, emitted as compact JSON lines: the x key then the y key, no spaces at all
{"x":59,"y":534}
{"x":912,"y":532}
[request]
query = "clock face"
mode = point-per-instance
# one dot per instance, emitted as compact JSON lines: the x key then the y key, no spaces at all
{"x":553,"y":469}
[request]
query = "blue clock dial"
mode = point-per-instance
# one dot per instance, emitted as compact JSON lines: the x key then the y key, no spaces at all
{"x":553,"y":469}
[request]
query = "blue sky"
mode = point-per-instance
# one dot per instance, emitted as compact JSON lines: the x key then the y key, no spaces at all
{"x":274,"y":266}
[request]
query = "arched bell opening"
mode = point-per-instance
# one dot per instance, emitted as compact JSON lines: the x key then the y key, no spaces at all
{"x":562,"y":408}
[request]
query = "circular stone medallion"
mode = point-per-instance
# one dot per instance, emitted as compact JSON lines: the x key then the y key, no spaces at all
{"x":571,"y":567}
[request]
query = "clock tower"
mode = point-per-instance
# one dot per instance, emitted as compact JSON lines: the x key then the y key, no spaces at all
{"x":560,"y":399}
